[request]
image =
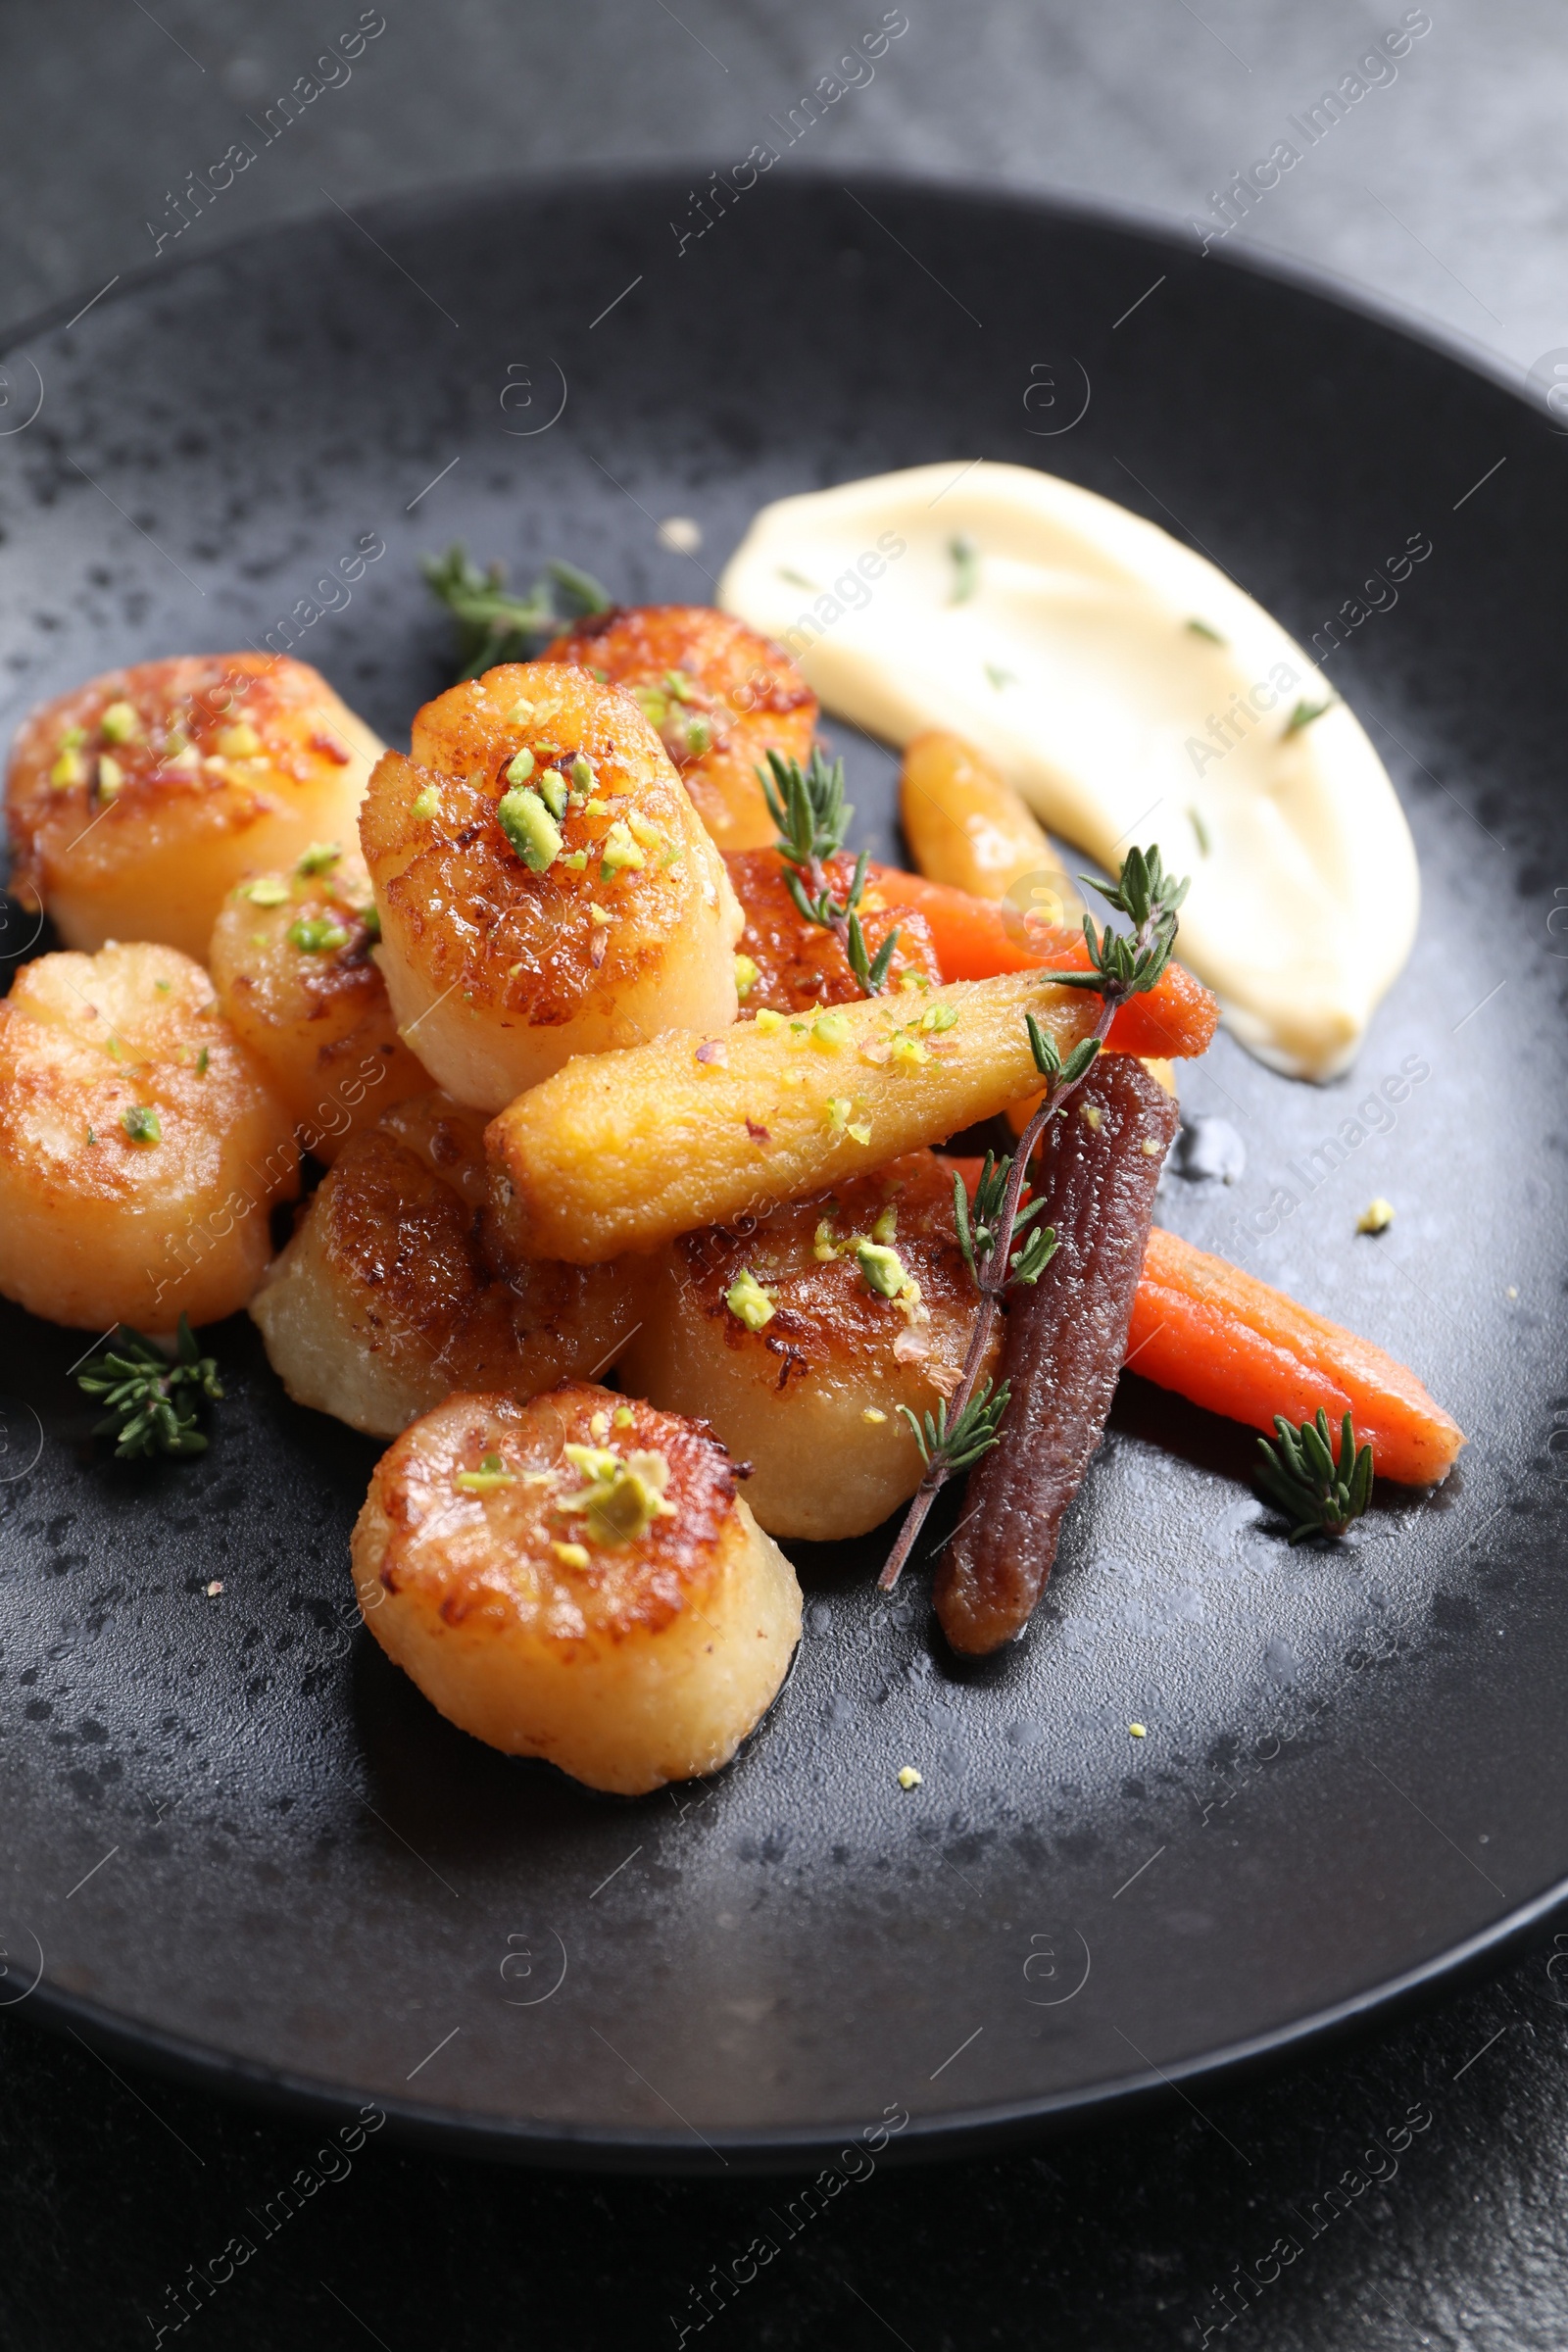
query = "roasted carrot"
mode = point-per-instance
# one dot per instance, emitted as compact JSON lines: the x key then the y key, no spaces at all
{"x":976,"y":938}
{"x":1229,"y":1342}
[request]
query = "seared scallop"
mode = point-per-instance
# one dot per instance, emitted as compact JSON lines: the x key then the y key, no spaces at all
{"x":293,"y":964}
{"x":545,"y":886}
{"x":801,"y":1337}
{"x":577,"y":1579}
{"x":387,"y":1297}
{"x":141,"y":1145}
{"x":721,"y":696}
{"x":788,"y":964}
{"x":138,"y":801}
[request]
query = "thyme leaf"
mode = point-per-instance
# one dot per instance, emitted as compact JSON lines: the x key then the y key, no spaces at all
{"x":973,"y":1430}
{"x":152,"y":1402}
{"x":1300,"y":1476}
{"x":493,"y":626}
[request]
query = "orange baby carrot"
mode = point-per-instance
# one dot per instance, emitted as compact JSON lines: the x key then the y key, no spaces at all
{"x":1231,"y":1343}
{"x":976,"y":938}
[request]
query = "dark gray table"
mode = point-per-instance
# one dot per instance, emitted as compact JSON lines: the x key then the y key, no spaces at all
{"x":1440,"y":195}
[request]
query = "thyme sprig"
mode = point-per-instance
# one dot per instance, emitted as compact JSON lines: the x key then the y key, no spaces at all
{"x":971,"y":1432}
{"x":493,"y":626}
{"x":809,"y":808}
{"x":1150,"y":898}
{"x":1121,"y":965}
{"x":1299,"y":1474}
{"x":152,"y":1402}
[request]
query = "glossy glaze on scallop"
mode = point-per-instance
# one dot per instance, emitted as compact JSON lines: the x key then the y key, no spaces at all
{"x":721,"y":696}
{"x":577,"y":1579}
{"x":136,"y":802}
{"x":800,"y":965}
{"x":141,"y":1146}
{"x":544,"y":884}
{"x":293,"y":964}
{"x":388,"y":1295}
{"x":800,"y":1337}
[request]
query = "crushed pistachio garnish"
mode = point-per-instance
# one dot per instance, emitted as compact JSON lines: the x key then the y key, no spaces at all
{"x":320,"y":858}
{"x":908,"y":1053}
{"x":596,"y":808}
{"x":519,"y":715}
{"x":239,"y":742}
{"x":769,"y":1022}
{"x":617,"y":851}
{"x":529,"y":827}
{"x":1139,"y":1731}
{"x":824,"y":1249}
{"x":912,"y":984}
{"x":745,"y":976}
{"x":748,"y":1302}
{"x":521,"y":767}
{"x":491,"y":1474}
{"x":317,"y":935}
{"x":872,"y":1415}
{"x":939,"y":1017}
{"x":427,"y":804}
{"x":626,"y":1418}
{"x":644,"y":830}
{"x":119,"y":724}
{"x":111,"y":776}
{"x":830,"y":1032}
{"x":268,"y":889}
{"x":1149,"y":1148}
{"x":909,"y":1778}
{"x":142,"y":1124}
{"x":624,"y":1493}
{"x":570,"y":1555}
{"x":883,"y":1268}
{"x":575,"y":859}
{"x":886,"y":1228}
{"x":202,"y":1061}
{"x":370,"y":917}
{"x":599,"y":1428}
{"x":858,"y":1131}
{"x":598,"y":914}
{"x":70,"y":769}
{"x":187,"y":756}
{"x":583,"y":777}
{"x":1376,"y":1217}
{"x":1091,"y":1115}
{"x":551,"y":790}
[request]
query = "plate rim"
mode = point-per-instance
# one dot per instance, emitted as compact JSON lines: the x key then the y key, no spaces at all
{"x":788,"y":2149}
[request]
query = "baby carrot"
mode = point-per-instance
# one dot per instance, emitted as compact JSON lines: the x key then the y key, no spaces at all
{"x":977,"y":938}
{"x":1234,"y":1346}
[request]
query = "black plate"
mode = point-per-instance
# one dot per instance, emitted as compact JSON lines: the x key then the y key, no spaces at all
{"x":236,"y":1840}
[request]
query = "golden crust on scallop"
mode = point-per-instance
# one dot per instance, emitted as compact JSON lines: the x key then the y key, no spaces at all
{"x":387,"y":1296}
{"x":544,"y":884}
{"x":138,"y":801}
{"x":140,"y":1148}
{"x":721,"y":696}
{"x":802,"y":967}
{"x":798,"y":1344}
{"x":292,"y":961}
{"x":613,"y":1608}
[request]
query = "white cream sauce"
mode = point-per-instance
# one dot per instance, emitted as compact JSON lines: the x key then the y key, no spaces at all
{"x":1056,"y":632}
